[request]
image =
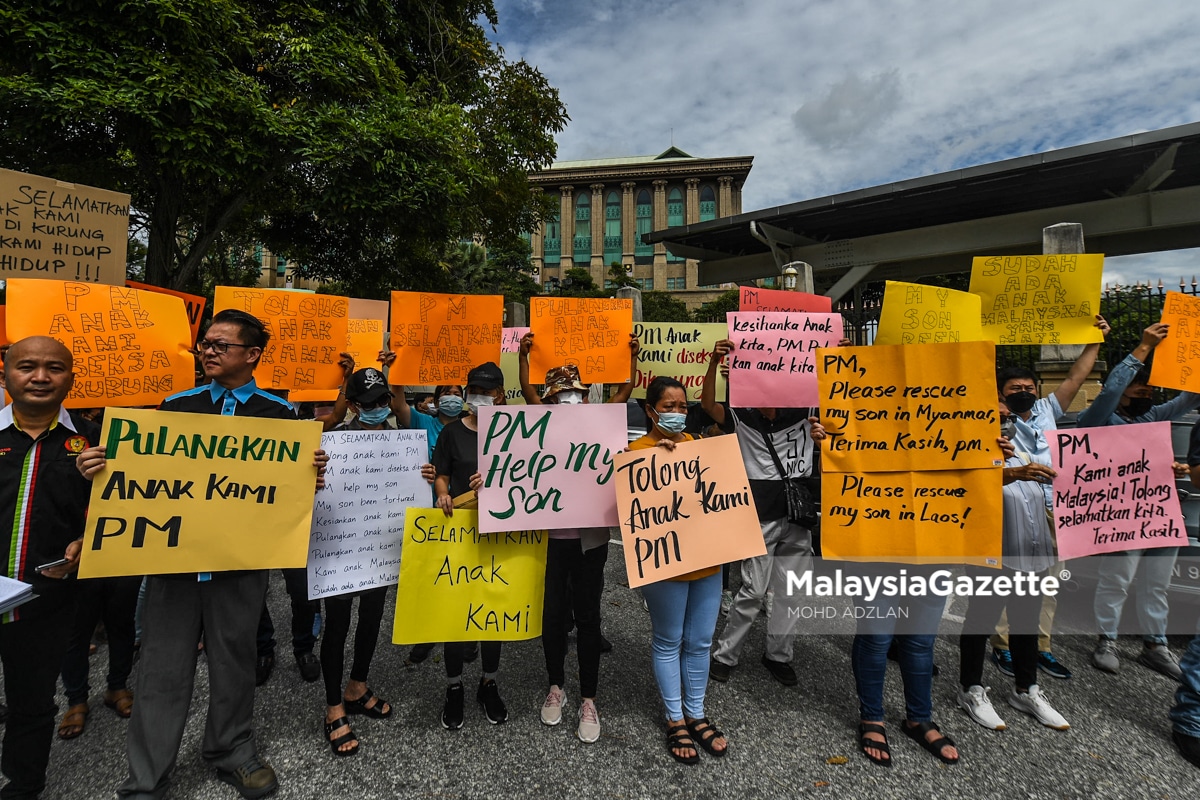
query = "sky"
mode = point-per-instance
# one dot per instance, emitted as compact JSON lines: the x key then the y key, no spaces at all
{"x":834,"y":95}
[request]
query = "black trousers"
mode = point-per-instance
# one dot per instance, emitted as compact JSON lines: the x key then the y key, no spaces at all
{"x":113,"y":600}
{"x":337,"y":628}
{"x":982,"y":615}
{"x":304,"y":613}
{"x":489,"y":657}
{"x":574,"y":584}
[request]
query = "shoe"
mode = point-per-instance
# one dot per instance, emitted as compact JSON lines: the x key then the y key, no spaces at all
{"x":780,"y":671}
{"x":552,"y":708}
{"x":74,"y":721}
{"x":310,"y":667}
{"x":589,"y":722}
{"x":253,"y":778}
{"x":1050,"y":665}
{"x":362,"y":704}
{"x":1189,"y":747}
{"x":975,"y":702}
{"x":472,"y":653}
{"x":1035,"y":704}
{"x":452,"y":711}
{"x":718,"y":671}
{"x":336,"y":742}
{"x":262,"y":669}
{"x":419,"y":653}
{"x":1003,"y":661}
{"x":1160,"y":659}
{"x":726,"y":601}
{"x":678,"y":738}
{"x":918,"y":731}
{"x":605,"y":644}
{"x":489,"y":697}
{"x":120,"y":701}
{"x":865,"y":744}
{"x":1104,"y":657}
{"x":704,"y":733}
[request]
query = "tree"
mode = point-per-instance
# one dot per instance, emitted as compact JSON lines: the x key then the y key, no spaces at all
{"x":618,"y":276}
{"x":715,"y":310}
{"x":662,"y":307}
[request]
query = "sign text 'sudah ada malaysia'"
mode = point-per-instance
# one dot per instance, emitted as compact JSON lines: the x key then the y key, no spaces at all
{"x":753,"y":299}
{"x":131,"y":348}
{"x":307,"y":333}
{"x":200,"y":493}
{"x":685,"y":509}
{"x":1039,"y":299}
{"x":1177,"y":359}
{"x":439,"y":338}
{"x":358,"y":518}
{"x":549,"y":466}
{"x":458,"y":584}
{"x":194,"y":304}
{"x":679,"y":350}
{"x":774,"y":362}
{"x":916,"y":314}
{"x":902,"y":408}
{"x":61,"y":231}
{"x":592,"y":334}
{"x":1115,"y":490}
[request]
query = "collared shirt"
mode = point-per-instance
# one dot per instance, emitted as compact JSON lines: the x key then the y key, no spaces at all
{"x":1030,"y":436}
{"x":1028,"y":545}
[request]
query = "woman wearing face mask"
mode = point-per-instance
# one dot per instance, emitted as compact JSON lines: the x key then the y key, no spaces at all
{"x":579,"y":393}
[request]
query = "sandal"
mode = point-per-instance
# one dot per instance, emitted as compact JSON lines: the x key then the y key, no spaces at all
{"x":74,"y":721}
{"x":918,"y":732}
{"x":866,"y":744}
{"x":120,"y":701}
{"x":345,"y":738}
{"x":678,"y":739}
{"x":374,"y":711}
{"x":704,"y":732}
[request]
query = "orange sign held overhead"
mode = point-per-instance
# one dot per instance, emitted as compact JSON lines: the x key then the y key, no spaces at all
{"x":193,"y":303}
{"x":364,"y":340}
{"x":592,"y":334}
{"x":3,"y":336}
{"x":439,"y":338}
{"x":1177,"y":358}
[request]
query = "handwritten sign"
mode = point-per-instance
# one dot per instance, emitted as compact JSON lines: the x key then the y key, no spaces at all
{"x":171,"y":476}
{"x":511,"y":343}
{"x":773,"y":363}
{"x":549,"y":466}
{"x":364,"y":340}
{"x":194,"y":304}
{"x":510,"y":365}
{"x":1115,"y":491}
{"x":130,"y":347}
{"x":685,"y":509}
{"x":358,"y":518}
{"x":677,"y":350}
{"x":458,"y":584}
{"x":307,"y":333}
{"x":754,"y":299}
{"x":1039,"y":299}
{"x":3,"y":334}
{"x":1176,"y":359}
{"x":916,"y":314}
{"x":61,"y":231}
{"x":439,"y":338}
{"x":909,"y":407}
{"x":592,"y":334}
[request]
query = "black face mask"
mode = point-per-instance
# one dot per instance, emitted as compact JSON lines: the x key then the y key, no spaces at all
{"x":1020,"y":402}
{"x":1138,"y":406}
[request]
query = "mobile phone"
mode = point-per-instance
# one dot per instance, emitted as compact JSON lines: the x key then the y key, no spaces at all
{"x":52,"y":565}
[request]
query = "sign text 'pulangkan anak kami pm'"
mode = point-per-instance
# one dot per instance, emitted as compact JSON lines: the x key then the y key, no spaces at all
{"x":200,"y":493}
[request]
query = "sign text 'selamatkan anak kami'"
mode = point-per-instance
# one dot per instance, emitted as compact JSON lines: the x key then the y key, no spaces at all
{"x":439,"y":338}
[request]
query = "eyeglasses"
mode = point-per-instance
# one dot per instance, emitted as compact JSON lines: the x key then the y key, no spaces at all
{"x":220,"y":348}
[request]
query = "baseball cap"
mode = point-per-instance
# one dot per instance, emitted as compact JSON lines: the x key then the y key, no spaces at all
{"x":486,"y":376}
{"x":367,"y":386}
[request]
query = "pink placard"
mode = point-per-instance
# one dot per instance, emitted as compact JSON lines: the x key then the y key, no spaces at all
{"x":548,"y":466}
{"x":510,"y":341}
{"x":774,"y":361}
{"x":1115,"y":490}
{"x":754,"y":299}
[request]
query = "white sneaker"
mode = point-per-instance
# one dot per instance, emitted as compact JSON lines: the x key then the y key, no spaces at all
{"x":553,"y":707}
{"x":1035,"y":704}
{"x":975,"y":702}
{"x":589,"y":722}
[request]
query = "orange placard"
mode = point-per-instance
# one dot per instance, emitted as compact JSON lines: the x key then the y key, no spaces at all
{"x":307,"y":333}
{"x":3,"y":335}
{"x":364,"y":340}
{"x":1177,"y":358}
{"x":131,"y":347}
{"x":592,"y":334}
{"x":439,"y":338}
{"x":193,"y":303}
{"x":755,"y":299}
{"x":369,"y":309}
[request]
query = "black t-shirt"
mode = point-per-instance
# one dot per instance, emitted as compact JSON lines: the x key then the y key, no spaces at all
{"x":790,"y":433}
{"x":456,"y":454}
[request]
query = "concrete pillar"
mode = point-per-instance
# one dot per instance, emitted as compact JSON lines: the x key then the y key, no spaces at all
{"x":628,"y":223}
{"x":737,"y":198}
{"x":537,"y":247}
{"x":660,"y":222}
{"x":691,"y":210}
{"x":516,"y":315}
{"x":598,"y":267}
{"x":725,"y":196}
{"x":567,"y":228}
{"x":1055,"y":360}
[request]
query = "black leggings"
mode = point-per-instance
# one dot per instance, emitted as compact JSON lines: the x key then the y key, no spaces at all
{"x":982,"y":615}
{"x":333,"y":643}
{"x":574,"y":585}
{"x":454,"y":651}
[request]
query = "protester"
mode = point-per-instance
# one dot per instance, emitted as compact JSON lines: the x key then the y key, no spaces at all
{"x":43,"y":503}
{"x":622,"y":395}
{"x":1185,"y":714}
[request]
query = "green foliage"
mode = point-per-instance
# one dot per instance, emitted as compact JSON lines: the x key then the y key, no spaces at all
{"x":715,"y":310}
{"x":616,"y":274}
{"x":662,"y":307}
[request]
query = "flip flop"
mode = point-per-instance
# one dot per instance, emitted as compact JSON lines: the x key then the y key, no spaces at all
{"x":74,"y":721}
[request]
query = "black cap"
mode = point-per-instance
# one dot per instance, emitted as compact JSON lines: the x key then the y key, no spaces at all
{"x":367,"y":386}
{"x":486,"y":376}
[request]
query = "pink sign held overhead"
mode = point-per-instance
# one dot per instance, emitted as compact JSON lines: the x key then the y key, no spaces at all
{"x":774,"y":360}
{"x":754,"y":299}
{"x":510,"y":339}
{"x":1115,"y":490}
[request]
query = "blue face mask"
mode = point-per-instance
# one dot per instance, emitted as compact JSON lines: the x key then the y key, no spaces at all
{"x":373,"y":416}
{"x":450,"y":405}
{"x":671,"y":423}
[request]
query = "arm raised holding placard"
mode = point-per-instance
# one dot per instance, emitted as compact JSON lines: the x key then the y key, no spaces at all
{"x":624,"y":390}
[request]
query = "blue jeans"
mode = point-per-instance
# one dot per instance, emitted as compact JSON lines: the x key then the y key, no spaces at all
{"x":1117,"y":571}
{"x":868,"y":656}
{"x":1185,"y":714}
{"x":683,"y":616}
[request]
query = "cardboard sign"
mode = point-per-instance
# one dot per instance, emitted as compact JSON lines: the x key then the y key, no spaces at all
{"x":61,"y":231}
{"x":510,"y":365}
{"x":130,"y":347}
{"x":439,"y":338}
{"x":916,"y":314}
{"x":592,"y":334}
{"x":458,"y":584}
{"x":900,"y":408}
{"x":1039,"y":299}
{"x":194,"y":304}
{"x":754,"y":299}
{"x":677,"y":350}
{"x":364,"y":340}
{"x":200,"y":493}
{"x":511,"y":343}
{"x":773,"y":363}
{"x":369,"y":309}
{"x":685,"y":509}
{"x":1115,"y":490}
{"x":307,"y":333}
{"x":358,"y":518}
{"x":1176,"y":359}
{"x":549,"y":466}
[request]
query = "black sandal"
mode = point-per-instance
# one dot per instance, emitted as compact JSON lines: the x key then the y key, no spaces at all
{"x":865,"y":744}
{"x":678,"y":739}
{"x":704,"y":732}
{"x":918,"y":732}
{"x":360,"y":706}
{"x":345,"y":738}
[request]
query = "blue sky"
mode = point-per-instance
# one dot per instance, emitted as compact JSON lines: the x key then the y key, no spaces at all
{"x":833,"y":95}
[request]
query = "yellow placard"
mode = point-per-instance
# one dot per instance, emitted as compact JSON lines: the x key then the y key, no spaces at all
{"x":307,"y":333}
{"x":592,"y":334}
{"x":510,"y":365}
{"x":1039,"y":299}
{"x":460,"y":585}
{"x":1177,"y":358}
{"x":916,"y":314}
{"x":677,"y":350}
{"x":364,"y":340}
{"x":131,"y":348}
{"x":200,"y":493}
{"x":439,"y":338}
{"x":61,"y":231}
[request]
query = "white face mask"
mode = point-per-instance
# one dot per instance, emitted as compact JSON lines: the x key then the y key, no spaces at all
{"x":475,"y":401}
{"x":569,"y":398}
